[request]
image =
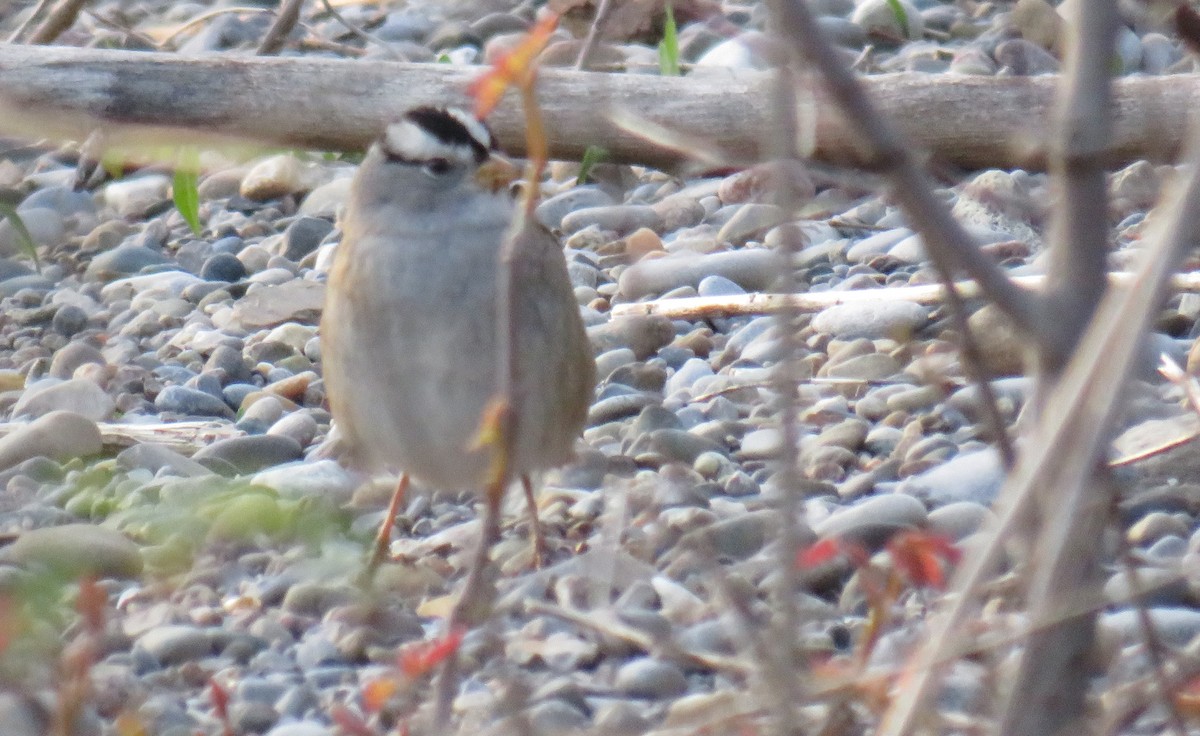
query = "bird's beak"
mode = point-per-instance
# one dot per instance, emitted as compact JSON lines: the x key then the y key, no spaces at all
{"x":497,"y":173}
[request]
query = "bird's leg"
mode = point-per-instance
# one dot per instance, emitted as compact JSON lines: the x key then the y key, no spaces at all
{"x":539,"y":539}
{"x":474,"y":603}
{"x":384,"y":537}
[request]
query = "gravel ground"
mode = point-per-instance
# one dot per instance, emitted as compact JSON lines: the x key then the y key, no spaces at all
{"x":228,"y":547}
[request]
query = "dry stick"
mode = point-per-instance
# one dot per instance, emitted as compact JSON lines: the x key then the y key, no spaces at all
{"x":286,"y":19}
{"x":589,"y":43}
{"x":1067,"y":441}
{"x":707,"y":307}
{"x":1049,"y":692}
{"x":60,"y":19}
{"x":135,"y":96}
{"x":29,"y":21}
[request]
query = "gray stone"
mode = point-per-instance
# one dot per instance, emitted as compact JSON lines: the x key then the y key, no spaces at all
{"x":874,"y":520}
{"x":959,"y":520}
{"x":174,"y":644}
{"x":621,"y":219}
{"x":644,"y":335}
{"x":136,"y":197}
{"x":68,"y":359}
{"x":968,"y":476}
{"x":753,"y":269}
{"x":873,"y":320}
{"x":124,"y":260}
{"x":155,"y":457}
{"x":870,"y":367}
{"x":552,"y":211}
{"x":322,"y":479}
{"x":877,"y":18}
{"x":190,"y":402}
{"x":303,"y":236}
{"x":251,"y":454}
{"x":77,"y":394}
{"x":59,"y":435}
{"x":76,"y":549}
{"x":649,"y":678}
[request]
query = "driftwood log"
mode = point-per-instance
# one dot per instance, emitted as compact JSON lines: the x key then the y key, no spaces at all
{"x":335,"y":105}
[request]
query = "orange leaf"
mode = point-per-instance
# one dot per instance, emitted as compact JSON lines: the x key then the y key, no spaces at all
{"x":923,"y":557}
{"x":515,"y":67}
{"x":377,"y":692}
{"x":418,"y":659}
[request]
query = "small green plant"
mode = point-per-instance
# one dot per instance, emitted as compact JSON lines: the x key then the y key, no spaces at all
{"x":185,"y":188}
{"x":901,"y":15}
{"x":668,"y":47}
{"x":592,"y":156}
{"x":24,"y":239}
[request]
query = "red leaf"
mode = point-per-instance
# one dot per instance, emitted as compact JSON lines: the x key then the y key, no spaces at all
{"x":828,"y":550}
{"x":418,"y":659}
{"x":923,"y":557}
{"x":220,"y":700}
{"x":90,"y":604}
{"x":349,"y":721}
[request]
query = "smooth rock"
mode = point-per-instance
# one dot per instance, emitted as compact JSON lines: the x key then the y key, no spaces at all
{"x":622,"y":219}
{"x":873,"y":320}
{"x":968,"y":476}
{"x":251,"y":454}
{"x":174,"y":644}
{"x":136,"y":197}
{"x":651,"y":679}
{"x":46,"y":227}
{"x":644,"y":335}
{"x":78,"y":395}
{"x":190,"y":402}
{"x":878,"y":19}
{"x":552,"y":211}
{"x":268,"y":306}
{"x":59,"y":435}
{"x":753,"y":269}
{"x":874,"y":520}
{"x":321,"y":479}
{"x":76,"y":549}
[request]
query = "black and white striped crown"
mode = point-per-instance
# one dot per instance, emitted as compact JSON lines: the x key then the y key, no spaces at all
{"x":427,"y":134}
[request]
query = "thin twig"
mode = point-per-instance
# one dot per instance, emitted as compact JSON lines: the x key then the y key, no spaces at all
{"x":15,"y":37}
{"x":60,"y":19}
{"x":946,"y":241}
{"x":205,"y":17}
{"x":277,"y":35}
{"x":593,"y":36}
{"x":122,"y":28}
{"x":360,"y":32}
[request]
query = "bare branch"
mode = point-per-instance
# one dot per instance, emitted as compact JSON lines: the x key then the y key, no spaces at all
{"x":1068,"y":440}
{"x":285,"y":21}
{"x":60,"y":19}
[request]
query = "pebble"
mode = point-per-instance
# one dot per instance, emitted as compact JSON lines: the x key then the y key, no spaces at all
{"x":190,"y":401}
{"x":752,"y":269}
{"x":873,"y":320}
{"x":969,"y":476}
{"x":59,"y":435}
{"x":72,"y":550}
{"x":251,"y":454}
{"x":552,"y":210}
{"x":622,"y":219}
{"x":651,"y":679}
{"x":78,"y":395}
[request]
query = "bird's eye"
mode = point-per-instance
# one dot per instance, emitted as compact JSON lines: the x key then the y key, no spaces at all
{"x":437,"y":166}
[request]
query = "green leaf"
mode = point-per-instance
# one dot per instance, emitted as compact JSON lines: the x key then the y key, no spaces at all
{"x":24,"y":239}
{"x":668,"y":47}
{"x":901,"y":15}
{"x":444,"y":58}
{"x":592,"y":156}
{"x":185,"y":191}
